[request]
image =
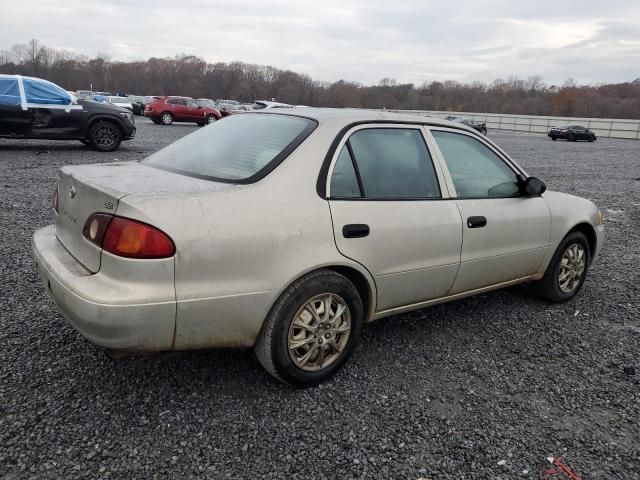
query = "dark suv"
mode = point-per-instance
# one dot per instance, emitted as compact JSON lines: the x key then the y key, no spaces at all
{"x":572,"y":133}
{"x":32,"y":108}
{"x":166,"y":110}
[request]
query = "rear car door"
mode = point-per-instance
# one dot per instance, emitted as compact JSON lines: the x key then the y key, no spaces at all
{"x":505,"y":234}
{"x":391,"y":213}
{"x":181,"y":112}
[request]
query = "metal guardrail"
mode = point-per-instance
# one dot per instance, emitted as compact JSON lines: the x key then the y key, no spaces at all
{"x":603,"y":127}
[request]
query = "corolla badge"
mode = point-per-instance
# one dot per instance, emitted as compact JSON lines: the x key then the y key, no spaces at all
{"x":72,"y":191}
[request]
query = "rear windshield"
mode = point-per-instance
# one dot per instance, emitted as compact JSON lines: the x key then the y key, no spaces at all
{"x":240,"y":148}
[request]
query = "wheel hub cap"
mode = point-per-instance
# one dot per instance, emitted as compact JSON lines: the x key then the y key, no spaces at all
{"x":572,"y":267}
{"x":319,"y":332}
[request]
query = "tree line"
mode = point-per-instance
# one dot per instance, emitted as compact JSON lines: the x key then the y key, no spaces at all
{"x":192,"y":76}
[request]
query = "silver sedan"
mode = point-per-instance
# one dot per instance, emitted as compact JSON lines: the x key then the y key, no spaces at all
{"x":287,"y":231}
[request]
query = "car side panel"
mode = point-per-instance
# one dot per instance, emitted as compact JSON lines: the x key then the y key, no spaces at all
{"x":567,"y":211}
{"x":57,"y":123}
{"x":238,"y":249}
{"x":14,"y":120}
{"x":510,"y":246}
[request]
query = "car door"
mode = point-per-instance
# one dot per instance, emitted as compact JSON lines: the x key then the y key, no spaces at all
{"x":57,"y":123}
{"x":391,"y":213}
{"x":14,"y":120}
{"x":196,"y":113}
{"x":505,"y":233}
{"x":178,"y":108}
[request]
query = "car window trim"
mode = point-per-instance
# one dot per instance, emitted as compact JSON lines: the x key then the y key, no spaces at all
{"x":498,"y":152}
{"x":264,"y":171}
{"x":342,"y":140}
{"x":356,"y":169}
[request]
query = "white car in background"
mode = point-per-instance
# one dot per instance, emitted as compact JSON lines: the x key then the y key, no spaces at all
{"x":123,"y":102}
{"x":268,"y":105}
{"x":286,"y":231}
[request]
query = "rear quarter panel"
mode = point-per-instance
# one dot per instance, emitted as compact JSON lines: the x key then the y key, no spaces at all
{"x":240,"y":247}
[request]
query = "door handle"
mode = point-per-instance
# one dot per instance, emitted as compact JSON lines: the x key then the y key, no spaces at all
{"x":476,"y":222}
{"x":355,"y":230}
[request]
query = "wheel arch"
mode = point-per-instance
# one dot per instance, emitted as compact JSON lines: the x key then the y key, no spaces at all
{"x":97,"y":118}
{"x":362,"y":285}
{"x":363,"y":282}
{"x":589,"y":232}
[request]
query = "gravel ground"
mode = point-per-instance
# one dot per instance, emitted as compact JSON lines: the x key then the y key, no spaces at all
{"x":485,"y":387}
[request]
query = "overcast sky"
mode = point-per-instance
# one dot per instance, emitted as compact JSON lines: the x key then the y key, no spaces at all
{"x":362,"y":40}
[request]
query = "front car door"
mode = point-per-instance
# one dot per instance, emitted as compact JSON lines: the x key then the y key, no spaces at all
{"x":196,"y":113}
{"x":391,"y":213}
{"x":14,"y":120}
{"x":505,"y":233}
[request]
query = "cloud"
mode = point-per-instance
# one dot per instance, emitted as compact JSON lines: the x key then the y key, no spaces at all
{"x":409,"y":40}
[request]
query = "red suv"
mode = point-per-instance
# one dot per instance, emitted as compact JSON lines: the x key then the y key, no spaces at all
{"x":166,"y":110}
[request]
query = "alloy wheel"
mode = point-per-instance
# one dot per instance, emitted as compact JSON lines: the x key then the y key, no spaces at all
{"x":106,"y":136}
{"x":319,"y":332}
{"x":572,"y":267}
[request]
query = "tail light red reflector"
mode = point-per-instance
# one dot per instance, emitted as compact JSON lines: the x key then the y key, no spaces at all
{"x":128,"y":238}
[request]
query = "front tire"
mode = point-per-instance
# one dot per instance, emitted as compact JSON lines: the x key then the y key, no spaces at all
{"x":105,"y":136}
{"x":311,"y":330}
{"x":567,"y":270}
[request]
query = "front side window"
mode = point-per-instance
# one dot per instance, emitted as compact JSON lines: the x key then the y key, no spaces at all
{"x":394,"y":163}
{"x":476,"y":171}
{"x":192,"y":104}
{"x":45,"y":93}
{"x":235,"y":150}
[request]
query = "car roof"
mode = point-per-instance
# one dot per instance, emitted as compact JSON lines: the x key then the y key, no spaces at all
{"x":353,"y":115}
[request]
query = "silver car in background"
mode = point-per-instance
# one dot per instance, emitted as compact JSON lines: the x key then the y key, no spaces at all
{"x":287,"y":231}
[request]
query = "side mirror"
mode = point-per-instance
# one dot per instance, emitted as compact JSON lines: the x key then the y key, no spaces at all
{"x":533,"y":186}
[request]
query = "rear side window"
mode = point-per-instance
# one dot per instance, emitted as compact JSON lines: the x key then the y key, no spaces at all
{"x":393,"y":163}
{"x":239,"y":149}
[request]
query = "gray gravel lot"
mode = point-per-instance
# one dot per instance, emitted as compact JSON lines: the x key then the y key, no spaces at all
{"x":445,"y":392}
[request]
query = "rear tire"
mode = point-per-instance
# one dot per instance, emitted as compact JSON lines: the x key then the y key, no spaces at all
{"x":166,"y":118}
{"x":571,"y":138}
{"x":105,"y":136}
{"x":566,"y":272}
{"x":325,"y":337}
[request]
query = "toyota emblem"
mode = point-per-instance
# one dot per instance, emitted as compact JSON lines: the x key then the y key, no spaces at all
{"x":72,"y":191}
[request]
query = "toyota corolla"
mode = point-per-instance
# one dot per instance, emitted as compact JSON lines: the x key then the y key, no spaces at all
{"x":287,"y":231}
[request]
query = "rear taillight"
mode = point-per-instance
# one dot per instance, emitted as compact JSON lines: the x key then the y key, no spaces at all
{"x":127,"y":238}
{"x":55,"y":200}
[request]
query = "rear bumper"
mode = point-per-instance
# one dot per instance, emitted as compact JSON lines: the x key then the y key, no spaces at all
{"x":100,"y":308}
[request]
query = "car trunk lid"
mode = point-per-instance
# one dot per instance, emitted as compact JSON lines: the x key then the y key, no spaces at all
{"x":87,"y":189}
